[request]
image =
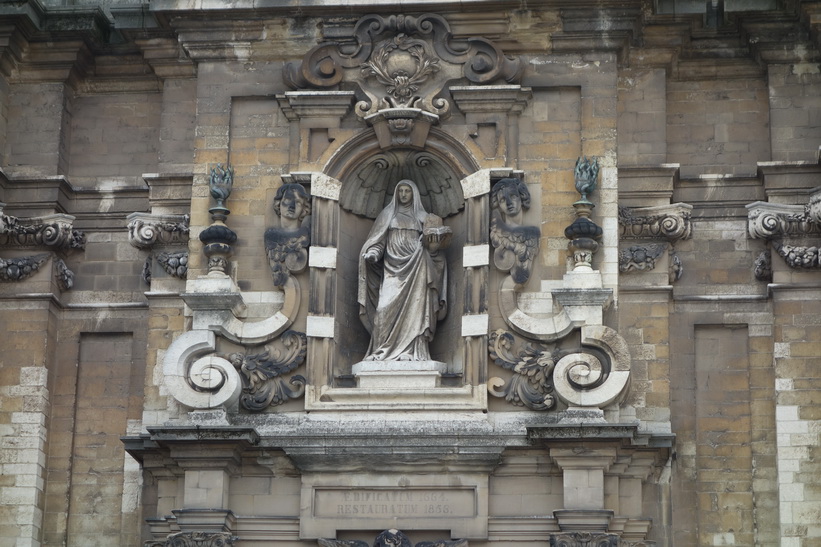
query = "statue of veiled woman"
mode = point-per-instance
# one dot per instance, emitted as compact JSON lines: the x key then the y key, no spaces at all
{"x":403,"y":278}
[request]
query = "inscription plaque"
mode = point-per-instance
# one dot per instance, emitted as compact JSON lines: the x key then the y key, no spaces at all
{"x":389,"y":502}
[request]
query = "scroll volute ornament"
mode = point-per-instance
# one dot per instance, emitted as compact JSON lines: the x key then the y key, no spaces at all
{"x":403,"y":62}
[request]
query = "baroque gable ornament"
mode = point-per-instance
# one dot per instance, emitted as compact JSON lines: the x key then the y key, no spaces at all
{"x":403,"y":62}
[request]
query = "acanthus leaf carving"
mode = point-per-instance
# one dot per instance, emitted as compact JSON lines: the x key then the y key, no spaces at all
{"x":532,"y":383}
{"x":403,"y":53}
{"x":194,"y":539}
{"x":584,"y":539}
{"x":55,"y":231}
{"x":391,"y":538}
{"x":262,"y":373}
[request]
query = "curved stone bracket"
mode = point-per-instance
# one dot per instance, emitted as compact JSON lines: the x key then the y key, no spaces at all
{"x":196,"y":377}
{"x":55,"y":231}
{"x":772,"y":220}
{"x":581,"y":379}
{"x":216,"y":303}
{"x":545,"y":329}
{"x":670,"y":222}
{"x":146,"y":230}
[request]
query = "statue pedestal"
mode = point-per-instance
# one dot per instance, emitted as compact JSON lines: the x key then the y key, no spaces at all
{"x":398,"y":374}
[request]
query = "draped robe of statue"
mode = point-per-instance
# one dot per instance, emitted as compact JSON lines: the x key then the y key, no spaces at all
{"x":401,"y":295}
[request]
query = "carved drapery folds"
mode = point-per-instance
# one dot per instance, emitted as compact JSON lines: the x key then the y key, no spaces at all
{"x":402,"y":63}
{"x":794,"y":231}
{"x":660,"y":227}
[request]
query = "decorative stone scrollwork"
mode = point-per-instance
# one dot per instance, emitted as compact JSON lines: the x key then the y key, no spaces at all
{"x":18,"y":269}
{"x":62,"y":275}
{"x":391,"y":538}
{"x":640,"y":257}
{"x":146,"y":230}
{"x":405,"y":60}
{"x":584,"y":539}
{"x":195,"y":376}
{"x":771,"y":220}
{"x":287,"y":246}
{"x":670,"y":222}
{"x":53,"y":231}
{"x":532,"y":382}
{"x":194,"y":539}
{"x":515,"y":245}
{"x":262,"y":382}
{"x":799,"y":257}
{"x":763,"y":267}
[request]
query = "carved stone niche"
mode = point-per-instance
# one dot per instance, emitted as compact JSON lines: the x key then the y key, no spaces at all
{"x":402,"y":64}
{"x":355,"y":188}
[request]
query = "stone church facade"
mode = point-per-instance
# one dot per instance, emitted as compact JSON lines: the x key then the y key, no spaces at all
{"x":618,"y":221}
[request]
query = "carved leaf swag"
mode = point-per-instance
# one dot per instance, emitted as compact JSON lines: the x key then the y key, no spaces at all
{"x":287,"y":252}
{"x":194,"y":539}
{"x":799,"y":257}
{"x":666,"y":225}
{"x":584,"y":539}
{"x":399,"y":84}
{"x":391,"y":538}
{"x":53,"y":231}
{"x":174,"y":264}
{"x":531,"y":385}
{"x":516,"y":247}
{"x":18,"y":269}
{"x":262,"y":382}
{"x":382,"y":40}
{"x":640,"y":257}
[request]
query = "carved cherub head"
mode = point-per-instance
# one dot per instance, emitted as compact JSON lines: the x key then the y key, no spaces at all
{"x":510,"y":196}
{"x":292,"y":204}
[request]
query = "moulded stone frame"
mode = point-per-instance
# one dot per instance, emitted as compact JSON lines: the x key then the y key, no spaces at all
{"x":322,"y":393}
